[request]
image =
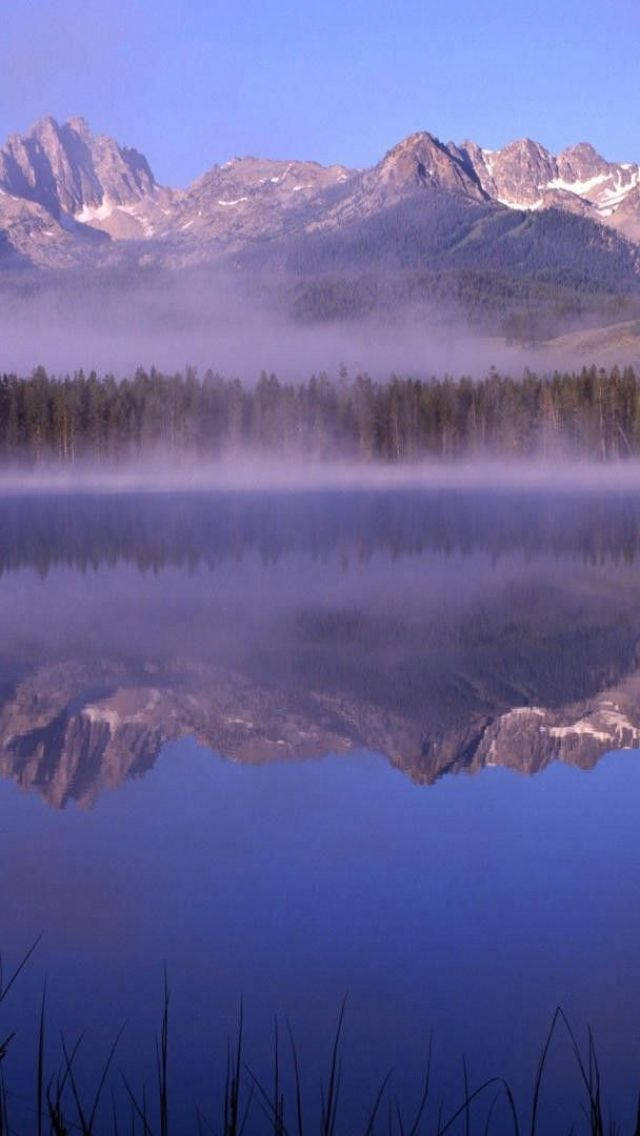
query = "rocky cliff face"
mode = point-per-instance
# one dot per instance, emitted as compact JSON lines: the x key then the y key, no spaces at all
{"x":58,"y":181}
{"x":67,"y":169}
{"x":524,"y":175}
{"x":511,"y":176}
{"x":79,"y":178}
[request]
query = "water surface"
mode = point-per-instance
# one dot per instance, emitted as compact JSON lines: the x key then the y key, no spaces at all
{"x":298,"y":744}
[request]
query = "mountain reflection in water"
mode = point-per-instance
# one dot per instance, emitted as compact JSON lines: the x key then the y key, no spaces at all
{"x":449,"y":631}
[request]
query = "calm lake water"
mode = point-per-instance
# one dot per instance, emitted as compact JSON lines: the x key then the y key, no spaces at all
{"x":296,"y":745}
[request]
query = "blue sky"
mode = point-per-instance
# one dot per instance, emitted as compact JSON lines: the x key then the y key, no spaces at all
{"x":194,"y":83}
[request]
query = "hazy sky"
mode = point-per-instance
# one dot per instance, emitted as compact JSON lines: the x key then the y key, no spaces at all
{"x":194,"y":83}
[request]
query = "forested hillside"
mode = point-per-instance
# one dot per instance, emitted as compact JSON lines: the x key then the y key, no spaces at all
{"x":593,"y":414}
{"x":524,"y":274}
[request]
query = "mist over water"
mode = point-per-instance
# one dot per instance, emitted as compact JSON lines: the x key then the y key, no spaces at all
{"x":246,"y":473}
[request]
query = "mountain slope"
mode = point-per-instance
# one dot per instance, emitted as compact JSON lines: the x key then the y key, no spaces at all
{"x":248,"y":198}
{"x":446,"y":253}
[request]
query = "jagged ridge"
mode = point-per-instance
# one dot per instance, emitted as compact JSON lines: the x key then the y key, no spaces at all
{"x":57,"y":180}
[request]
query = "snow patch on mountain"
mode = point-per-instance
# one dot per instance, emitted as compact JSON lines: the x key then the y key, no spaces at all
{"x":579,"y":187}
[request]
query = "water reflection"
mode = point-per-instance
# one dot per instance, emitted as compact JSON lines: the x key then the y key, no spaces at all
{"x":159,"y":530}
{"x":448,"y":631}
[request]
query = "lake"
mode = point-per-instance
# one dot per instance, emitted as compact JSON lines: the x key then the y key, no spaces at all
{"x":302,"y":745}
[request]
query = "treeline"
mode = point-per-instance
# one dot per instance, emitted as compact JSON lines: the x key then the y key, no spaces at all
{"x":592,"y":414}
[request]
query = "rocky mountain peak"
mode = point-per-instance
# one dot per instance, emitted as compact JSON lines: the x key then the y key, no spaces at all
{"x":422,"y":161}
{"x":527,"y":151}
{"x":79,"y":126}
{"x":68,"y":170}
{"x":580,"y":163}
{"x":45,"y":130}
{"x":516,"y":173}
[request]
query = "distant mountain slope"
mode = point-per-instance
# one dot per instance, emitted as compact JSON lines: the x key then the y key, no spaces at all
{"x":248,"y":197}
{"x":484,"y":261}
{"x":448,"y":230}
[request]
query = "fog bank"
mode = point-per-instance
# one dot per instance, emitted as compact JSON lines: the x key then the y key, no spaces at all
{"x":249,"y":474}
{"x":235,"y":326}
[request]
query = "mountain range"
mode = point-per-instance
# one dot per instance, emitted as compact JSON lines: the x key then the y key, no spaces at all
{"x":60,"y":184}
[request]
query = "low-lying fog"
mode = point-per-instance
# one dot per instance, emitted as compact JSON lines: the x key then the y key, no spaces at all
{"x":248,"y":474}
{"x":118,"y":321}
{"x":238,"y":328}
